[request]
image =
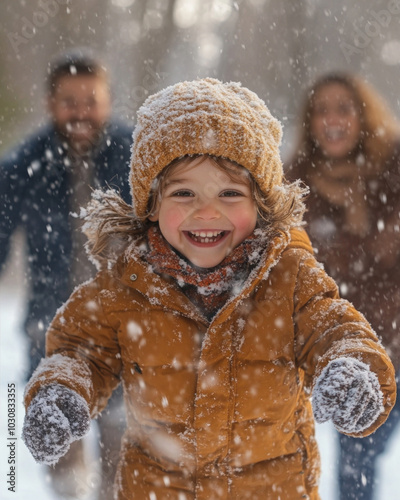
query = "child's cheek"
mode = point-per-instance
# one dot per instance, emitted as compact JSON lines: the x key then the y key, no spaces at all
{"x":174,"y":216}
{"x":245,"y":220}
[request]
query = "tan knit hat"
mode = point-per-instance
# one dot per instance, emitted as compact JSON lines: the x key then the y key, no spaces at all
{"x":204,"y":117}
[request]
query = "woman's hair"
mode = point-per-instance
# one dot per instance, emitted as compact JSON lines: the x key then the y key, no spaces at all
{"x":110,"y":223}
{"x":379,"y":127}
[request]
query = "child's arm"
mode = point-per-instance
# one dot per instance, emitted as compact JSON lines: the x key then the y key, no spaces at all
{"x":82,"y":350}
{"x":82,"y":368}
{"x":341,"y":355}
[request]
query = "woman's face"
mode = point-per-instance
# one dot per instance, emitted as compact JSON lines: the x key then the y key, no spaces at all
{"x":335,"y":121}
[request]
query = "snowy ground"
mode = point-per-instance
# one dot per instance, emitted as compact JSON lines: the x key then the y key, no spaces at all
{"x":31,"y":478}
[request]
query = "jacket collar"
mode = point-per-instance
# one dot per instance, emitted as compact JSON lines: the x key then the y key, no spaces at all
{"x":295,"y":238}
{"x":159,"y":290}
{"x":269,"y":259}
{"x":136,"y":273}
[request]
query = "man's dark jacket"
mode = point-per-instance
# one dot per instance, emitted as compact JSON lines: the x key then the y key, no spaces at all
{"x":34,"y":189}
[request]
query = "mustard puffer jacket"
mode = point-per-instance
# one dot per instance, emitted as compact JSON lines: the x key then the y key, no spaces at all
{"x":220,"y":409}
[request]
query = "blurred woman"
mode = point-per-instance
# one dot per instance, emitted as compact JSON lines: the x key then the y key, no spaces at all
{"x":349,"y":156}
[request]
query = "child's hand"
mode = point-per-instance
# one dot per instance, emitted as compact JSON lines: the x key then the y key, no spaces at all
{"x":347,"y":393}
{"x":56,"y":417}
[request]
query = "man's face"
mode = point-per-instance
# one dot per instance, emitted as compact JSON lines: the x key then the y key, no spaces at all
{"x":80,"y":106}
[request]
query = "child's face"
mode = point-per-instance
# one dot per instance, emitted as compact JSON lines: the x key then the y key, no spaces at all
{"x":204,"y":213}
{"x":335,"y":121}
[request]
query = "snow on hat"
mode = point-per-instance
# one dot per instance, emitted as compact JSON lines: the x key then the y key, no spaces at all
{"x":204,"y":116}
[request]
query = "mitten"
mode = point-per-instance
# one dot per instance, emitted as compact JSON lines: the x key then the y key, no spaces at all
{"x":56,"y":417}
{"x":349,"y":394}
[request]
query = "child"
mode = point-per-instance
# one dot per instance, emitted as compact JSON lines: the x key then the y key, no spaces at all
{"x":215,"y":317}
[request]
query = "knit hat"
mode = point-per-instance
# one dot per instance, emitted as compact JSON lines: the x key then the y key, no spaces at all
{"x":204,"y":116}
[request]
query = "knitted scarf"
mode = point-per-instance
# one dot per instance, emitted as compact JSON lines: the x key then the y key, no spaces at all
{"x":209,"y":289}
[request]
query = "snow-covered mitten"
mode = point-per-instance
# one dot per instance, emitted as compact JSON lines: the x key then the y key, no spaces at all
{"x":349,"y":394}
{"x":56,"y":417}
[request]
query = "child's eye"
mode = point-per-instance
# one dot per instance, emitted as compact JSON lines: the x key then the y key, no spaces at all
{"x":231,"y":193}
{"x":182,"y":192}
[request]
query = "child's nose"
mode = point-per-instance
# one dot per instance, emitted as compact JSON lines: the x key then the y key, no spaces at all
{"x":206,"y":210}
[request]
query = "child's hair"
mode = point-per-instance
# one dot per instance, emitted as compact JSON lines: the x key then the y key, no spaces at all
{"x":110,"y":223}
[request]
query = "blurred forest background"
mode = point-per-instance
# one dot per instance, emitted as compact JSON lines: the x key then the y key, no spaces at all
{"x":275,"y":47}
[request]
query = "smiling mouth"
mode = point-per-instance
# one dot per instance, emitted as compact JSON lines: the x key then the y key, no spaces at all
{"x":205,"y":236}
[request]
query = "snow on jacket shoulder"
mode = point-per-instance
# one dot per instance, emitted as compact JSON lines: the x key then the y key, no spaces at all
{"x":217,"y":410}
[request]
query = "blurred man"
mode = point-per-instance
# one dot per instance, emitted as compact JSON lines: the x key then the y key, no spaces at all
{"x":43,"y":183}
